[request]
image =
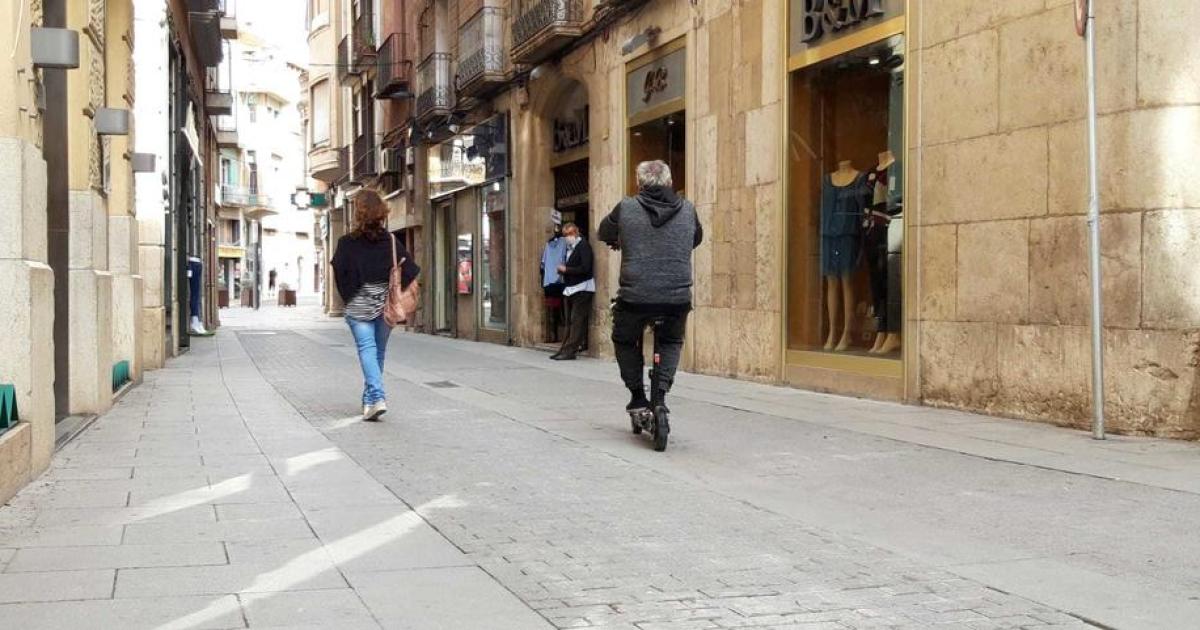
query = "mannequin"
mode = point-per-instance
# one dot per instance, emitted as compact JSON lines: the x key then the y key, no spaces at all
{"x":843,"y":198}
{"x":886,"y":341}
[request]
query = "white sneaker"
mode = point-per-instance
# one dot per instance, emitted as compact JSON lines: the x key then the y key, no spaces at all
{"x":372,"y":412}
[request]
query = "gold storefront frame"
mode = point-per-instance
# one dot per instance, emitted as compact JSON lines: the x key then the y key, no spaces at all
{"x":670,"y":107}
{"x":889,"y":376}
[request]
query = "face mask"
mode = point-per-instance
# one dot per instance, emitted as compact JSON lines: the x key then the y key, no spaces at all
{"x":572,"y":240}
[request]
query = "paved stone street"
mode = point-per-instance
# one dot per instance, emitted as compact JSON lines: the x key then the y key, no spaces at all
{"x":236,"y":488}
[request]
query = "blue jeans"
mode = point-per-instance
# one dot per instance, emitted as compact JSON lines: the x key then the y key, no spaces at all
{"x":371,"y":339}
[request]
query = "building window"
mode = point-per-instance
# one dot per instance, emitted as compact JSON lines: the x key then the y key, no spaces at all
{"x":252,"y":107}
{"x":320,"y":112}
{"x":252,"y":167}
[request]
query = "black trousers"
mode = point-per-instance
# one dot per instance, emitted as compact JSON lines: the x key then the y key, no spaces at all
{"x":629,"y":326}
{"x":579,"y":317}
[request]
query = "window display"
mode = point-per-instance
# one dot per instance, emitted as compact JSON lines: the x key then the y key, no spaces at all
{"x":846,"y":202}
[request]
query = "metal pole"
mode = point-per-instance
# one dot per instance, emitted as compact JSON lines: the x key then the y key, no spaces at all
{"x":1094,"y":234}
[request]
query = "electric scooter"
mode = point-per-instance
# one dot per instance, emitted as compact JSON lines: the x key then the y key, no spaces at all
{"x":655,"y":421}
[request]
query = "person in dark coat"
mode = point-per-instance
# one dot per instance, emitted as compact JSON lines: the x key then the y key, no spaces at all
{"x":362,"y":264}
{"x":579,"y":290}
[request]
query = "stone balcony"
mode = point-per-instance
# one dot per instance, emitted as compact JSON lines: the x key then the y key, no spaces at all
{"x":544,"y":28}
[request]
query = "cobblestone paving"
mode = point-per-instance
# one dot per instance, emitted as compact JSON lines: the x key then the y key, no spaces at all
{"x":591,"y":540}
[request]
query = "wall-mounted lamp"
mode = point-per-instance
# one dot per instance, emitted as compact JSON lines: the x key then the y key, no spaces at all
{"x":54,"y":48}
{"x":637,"y":41}
{"x":142,"y":162}
{"x":110,"y":121}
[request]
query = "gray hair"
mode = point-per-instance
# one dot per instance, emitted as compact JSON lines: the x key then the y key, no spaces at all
{"x":653,"y":173}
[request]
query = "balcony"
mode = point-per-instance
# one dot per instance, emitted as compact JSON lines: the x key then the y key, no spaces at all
{"x":203,"y":5}
{"x":227,"y":134}
{"x":343,"y":165}
{"x":433,"y":83}
{"x":545,"y":28}
{"x":362,"y":39}
{"x":364,"y":157}
{"x":394,"y":77}
{"x":345,"y":66}
{"x":480,"y":52}
{"x":218,"y":102}
{"x":237,"y":197}
{"x":229,"y":24}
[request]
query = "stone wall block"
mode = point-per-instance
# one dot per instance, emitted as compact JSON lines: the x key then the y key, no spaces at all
{"x":768,"y":262}
{"x":150,"y":230}
{"x":772,"y":55}
{"x":1045,"y":373}
{"x":1172,"y":283}
{"x":712,"y":334}
{"x":703,"y":186}
{"x":91,"y":341}
{"x":1060,"y":287}
{"x":958,"y":364}
{"x":1151,"y":383}
{"x":27,"y":353}
{"x":955,"y":18}
{"x":993,"y":271}
{"x":1046,"y":60}
{"x":1168,"y":55}
{"x":985,"y":179}
{"x":22,"y":201}
{"x":939,"y":272}
{"x":763,"y":130}
{"x":150,"y":264}
{"x":1149,"y":160}
{"x":960,"y":88}
{"x":126,"y":319}
{"x":88,"y":230}
{"x":122,"y":244}
{"x":757,"y":345}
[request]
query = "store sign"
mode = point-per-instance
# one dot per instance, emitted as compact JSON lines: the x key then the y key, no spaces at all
{"x":572,"y":132}
{"x":656,"y":83}
{"x":817,"y":22}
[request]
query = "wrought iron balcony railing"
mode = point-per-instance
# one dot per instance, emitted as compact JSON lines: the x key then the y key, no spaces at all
{"x":544,"y":28}
{"x":480,"y":51}
{"x":394,"y":76}
{"x":362,"y":39}
{"x":433,"y":83}
{"x":364,"y":157}
{"x":232,"y":195}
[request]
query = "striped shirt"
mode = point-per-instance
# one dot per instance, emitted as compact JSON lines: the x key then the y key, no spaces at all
{"x":367,"y":304}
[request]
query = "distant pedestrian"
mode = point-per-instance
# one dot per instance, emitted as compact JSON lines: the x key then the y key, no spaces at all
{"x":362,"y":264}
{"x":579,"y":290}
{"x":271,"y":281}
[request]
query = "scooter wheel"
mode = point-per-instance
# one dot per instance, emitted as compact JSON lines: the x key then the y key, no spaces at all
{"x":661,"y":431}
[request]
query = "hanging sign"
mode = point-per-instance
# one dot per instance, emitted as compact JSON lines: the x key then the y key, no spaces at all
{"x":189,"y":132}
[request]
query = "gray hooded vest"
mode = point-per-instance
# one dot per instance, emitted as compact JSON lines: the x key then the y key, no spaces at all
{"x":656,"y":260}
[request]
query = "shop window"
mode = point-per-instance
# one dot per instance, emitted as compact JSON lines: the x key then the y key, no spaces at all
{"x":659,"y":139}
{"x":846,"y":203}
{"x":493,"y":252}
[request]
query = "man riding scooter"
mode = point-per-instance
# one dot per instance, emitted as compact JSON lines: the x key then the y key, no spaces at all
{"x":656,"y":231}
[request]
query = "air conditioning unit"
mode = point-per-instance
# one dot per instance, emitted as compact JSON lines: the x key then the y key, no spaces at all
{"x":390,"y":161}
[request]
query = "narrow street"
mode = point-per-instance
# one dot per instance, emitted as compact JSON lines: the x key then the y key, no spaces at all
{"x":237,"y":488}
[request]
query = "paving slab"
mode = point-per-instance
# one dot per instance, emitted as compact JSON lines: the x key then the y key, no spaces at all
{"x":56,"y":586}
{"x":32,"y":559}
{"x":318,"y":609}
{"x":127,"y":614}
{"x":458,"y":598}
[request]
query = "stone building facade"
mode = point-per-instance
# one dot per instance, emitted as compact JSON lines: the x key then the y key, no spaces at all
{"x":78,"y":321}
{"x":956,"y":127}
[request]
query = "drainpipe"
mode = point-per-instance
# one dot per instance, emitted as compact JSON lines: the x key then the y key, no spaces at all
{"x":1094,"y":228}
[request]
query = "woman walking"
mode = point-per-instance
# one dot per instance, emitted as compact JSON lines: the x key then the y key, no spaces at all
{"x":361,"y":264}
